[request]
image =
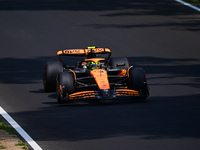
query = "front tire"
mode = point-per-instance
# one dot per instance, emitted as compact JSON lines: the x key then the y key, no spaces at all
{"x":137,"y":81}
{"x":65,"y":86}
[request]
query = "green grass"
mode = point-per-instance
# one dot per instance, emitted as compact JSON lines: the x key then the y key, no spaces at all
{"x":20,"y":143}
{"x":3,"y":126}
{"x":10,"y":130}
{"x":2,"y":147}
{"x":194,"y":2}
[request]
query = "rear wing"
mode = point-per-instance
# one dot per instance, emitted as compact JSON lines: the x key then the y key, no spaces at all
{"x":89,"y":52}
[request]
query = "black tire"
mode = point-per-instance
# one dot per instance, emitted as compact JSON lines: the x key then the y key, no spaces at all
{"x":50,"y":71}
{"x":65,"y":86}
{"x":119,"y":63}
{"x":137,"y":81}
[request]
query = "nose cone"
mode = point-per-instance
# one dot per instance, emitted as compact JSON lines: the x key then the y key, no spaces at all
{"x":105,"y":93}
{"x":101,"y":78}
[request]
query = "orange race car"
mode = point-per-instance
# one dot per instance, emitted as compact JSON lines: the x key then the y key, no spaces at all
{"x":96,"y":77}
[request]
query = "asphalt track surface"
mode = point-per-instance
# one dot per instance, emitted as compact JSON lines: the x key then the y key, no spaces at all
{"x":162,"y":36}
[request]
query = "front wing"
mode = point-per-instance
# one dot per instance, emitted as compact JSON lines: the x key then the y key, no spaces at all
{"x":105,"y":94}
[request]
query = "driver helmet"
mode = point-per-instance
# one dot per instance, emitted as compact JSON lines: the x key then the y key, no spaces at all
{"x":91,"y":65}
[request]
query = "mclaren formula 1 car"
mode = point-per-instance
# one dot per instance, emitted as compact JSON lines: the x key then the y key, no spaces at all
{"x":95,"y":76}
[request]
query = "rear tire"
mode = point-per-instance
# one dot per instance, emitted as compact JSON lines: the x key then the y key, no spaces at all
{"x":50,"y":71}
{"x":65,"y":86}
{"x":137,"y":81}
{"x":114,"y":63}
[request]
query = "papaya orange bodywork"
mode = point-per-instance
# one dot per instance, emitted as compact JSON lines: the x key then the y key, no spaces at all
{"x":83,"y":94}
{"x":128,"y":70}
{"x":95,"y":50}
{"x":73,"y":73}
{"x":100,"y":75}
{"x":59,"y":52}
{"x":82,"y":51}
{"x":122,"y":72}
{"x":128,"y":92}
{"x":101,"y":78}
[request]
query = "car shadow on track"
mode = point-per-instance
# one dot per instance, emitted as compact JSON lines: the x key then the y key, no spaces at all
{"x":93,"y":102}
{"x":159,"y":118}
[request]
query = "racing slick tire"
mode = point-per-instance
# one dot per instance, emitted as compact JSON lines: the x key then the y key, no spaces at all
{"x":65,"y":87}
{"x":137,"y":81}
{"x":50,"y":71}
{"x":119,"y":63}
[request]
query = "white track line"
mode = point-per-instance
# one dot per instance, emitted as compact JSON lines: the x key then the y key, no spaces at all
{"x":14,"y":124}
{"x":189,"y":5}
